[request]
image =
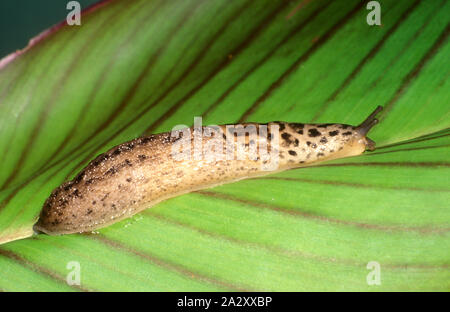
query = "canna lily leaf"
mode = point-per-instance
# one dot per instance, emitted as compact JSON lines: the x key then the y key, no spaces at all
{"x":139,"y":67}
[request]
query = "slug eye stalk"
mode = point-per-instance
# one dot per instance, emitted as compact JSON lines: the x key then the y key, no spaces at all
{"x":366,"y":125}
{"x":370,"y":121}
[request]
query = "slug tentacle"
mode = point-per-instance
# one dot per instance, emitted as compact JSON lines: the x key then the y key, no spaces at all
{"x":366,"y":125}
{"x":140,"y":173}
{"x":370,"y":121}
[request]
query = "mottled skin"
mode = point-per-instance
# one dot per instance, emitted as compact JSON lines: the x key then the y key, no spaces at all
{"x":138,"y":174}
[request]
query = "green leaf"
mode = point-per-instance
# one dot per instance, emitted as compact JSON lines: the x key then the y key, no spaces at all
{"x":136,"y":67}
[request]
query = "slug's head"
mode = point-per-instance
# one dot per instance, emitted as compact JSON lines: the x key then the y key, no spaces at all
{"x":362,"y":130}
{"x":345,"y":140}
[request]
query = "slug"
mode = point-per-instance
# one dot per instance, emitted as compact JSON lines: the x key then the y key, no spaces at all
{"x":140,"y":173}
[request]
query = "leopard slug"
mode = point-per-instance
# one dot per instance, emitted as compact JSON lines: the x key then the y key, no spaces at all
{"x":140,"y":173}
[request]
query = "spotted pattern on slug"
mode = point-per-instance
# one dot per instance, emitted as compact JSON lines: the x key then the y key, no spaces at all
{"x":140,"y":173}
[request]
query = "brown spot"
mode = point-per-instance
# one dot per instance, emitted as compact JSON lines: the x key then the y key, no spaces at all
{"x":111,"y":171}
{"x":79,"y":177}
{"x":287,"y":137}
{"x":314,"y":133}
{"x":297,"y":127}
{"x":149,"y":139}
{"x":333,"y":133}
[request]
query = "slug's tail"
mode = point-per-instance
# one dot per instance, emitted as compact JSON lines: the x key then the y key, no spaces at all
{"x":370,"y":121}
{"x":36,"y":231}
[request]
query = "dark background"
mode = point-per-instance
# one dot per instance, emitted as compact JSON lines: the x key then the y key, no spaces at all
{"x":21,"y":20}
